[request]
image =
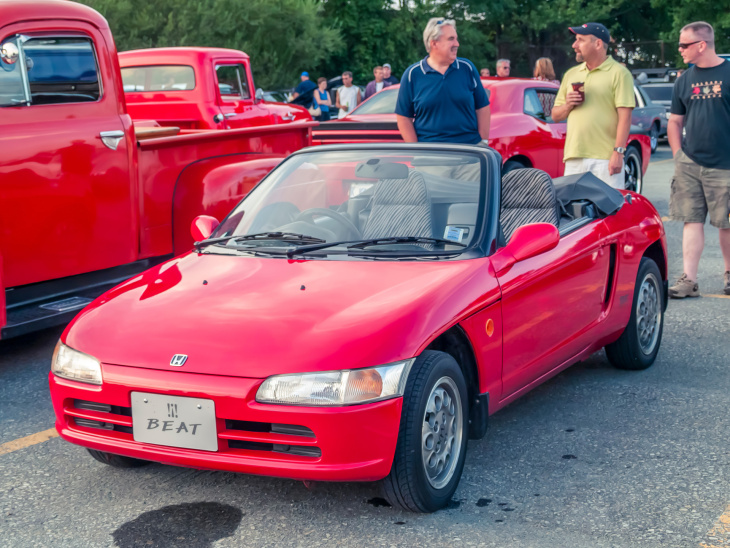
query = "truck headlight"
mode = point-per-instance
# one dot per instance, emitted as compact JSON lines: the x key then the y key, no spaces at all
{"x":77,"y":366}
{"x":336,"y":388}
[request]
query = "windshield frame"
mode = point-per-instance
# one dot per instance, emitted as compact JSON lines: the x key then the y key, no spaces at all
{"x":486,"y":238}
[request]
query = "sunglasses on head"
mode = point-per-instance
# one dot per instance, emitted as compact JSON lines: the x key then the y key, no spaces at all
{"x":685,"y":46}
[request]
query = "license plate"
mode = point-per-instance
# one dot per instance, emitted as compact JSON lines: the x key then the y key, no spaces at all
{"x":174,"y":421}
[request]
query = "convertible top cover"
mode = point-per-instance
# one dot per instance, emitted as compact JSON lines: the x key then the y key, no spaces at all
{"x":586,"y":186}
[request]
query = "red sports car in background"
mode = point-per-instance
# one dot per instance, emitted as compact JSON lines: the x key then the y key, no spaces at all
{"x":359,"y":315}
{"x":522,"y":130}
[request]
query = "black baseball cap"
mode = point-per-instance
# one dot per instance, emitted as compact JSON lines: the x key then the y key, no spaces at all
{"x":595,"y":29}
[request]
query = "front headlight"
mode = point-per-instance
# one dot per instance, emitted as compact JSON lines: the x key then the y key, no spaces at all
{"x":77,"y":366}
{"x":333,"y":388}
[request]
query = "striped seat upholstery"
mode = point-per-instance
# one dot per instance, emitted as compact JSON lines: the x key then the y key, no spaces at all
{"x":401,"y":207}
{"x":528,"y":196}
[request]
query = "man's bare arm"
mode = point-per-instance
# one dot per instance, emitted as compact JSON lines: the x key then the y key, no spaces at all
{"x":484,"y":117}
{"x":674,"y":132}
{"x":407,"y":131}
{"x":616,"y":163}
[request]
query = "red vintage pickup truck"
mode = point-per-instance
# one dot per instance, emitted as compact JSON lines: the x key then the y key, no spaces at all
{"x":88,"y":199}
{"x":198,"y":88}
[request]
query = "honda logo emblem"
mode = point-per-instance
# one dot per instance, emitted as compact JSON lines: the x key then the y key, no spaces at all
{"x":178,"y":360}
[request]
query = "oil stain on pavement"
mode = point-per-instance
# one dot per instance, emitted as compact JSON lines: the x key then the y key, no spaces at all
{"x":190,"y":525}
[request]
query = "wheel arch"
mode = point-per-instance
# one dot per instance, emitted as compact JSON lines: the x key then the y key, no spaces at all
{"x":656,"y":253}
{"x":455,"y":342}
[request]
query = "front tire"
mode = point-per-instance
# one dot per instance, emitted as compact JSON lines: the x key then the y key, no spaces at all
{"x":633,"y":176}
{"x":511,"y":165}
{"x":117,"y":461}
{"x":638,"y":345}
{"x":429,"y":457}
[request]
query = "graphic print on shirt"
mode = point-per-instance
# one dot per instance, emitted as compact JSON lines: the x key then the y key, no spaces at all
{"x":707,"y":90}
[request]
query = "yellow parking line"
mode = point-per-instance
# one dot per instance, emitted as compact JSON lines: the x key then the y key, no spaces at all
{"x":27,"y":441}
{"x":716,"y":296}
{"x":661,"y":161}
{"x":719,"y":535}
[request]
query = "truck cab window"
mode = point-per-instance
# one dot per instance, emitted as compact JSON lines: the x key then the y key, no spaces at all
{"x":232,"y":82}
{"x":158,"y":77}
{"x":61,"y":70}
{"x":539,"y":103}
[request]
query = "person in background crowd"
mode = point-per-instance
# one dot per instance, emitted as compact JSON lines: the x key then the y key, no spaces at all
{"x":322,"y":99}
{"x":701,"y":184}
{"x":305,"y":86}
{"x":374,"y":86}
{"x":441,"y":98}
{"x":484,"y":73}
{"x":544,"y":70}
{"x":599,"y":116}
{"x":347,"y":96}
{"x":503,"y":68}
{"x":387,"y":76}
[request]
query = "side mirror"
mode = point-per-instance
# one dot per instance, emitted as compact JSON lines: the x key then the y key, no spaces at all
{"x":202,"y":227}
{"x":9,"y":53}
{"x":259,"y":94}
{"x":527,"y":241}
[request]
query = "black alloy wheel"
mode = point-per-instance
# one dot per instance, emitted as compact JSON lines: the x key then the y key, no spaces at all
{"x":634,"y":178}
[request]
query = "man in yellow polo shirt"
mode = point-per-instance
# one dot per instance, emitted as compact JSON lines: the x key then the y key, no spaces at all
{"x":597,"y":98}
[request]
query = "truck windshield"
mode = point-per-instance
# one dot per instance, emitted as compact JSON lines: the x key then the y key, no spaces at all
{"x":389,"y":204}
{"x":158,"y":77}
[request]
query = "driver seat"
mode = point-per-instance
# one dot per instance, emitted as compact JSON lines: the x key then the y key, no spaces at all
{"x":528,"y":196}
{"x":401,"y":207}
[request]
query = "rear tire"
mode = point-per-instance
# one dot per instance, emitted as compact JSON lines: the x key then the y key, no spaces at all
{"x":638,"y":345}
{"x":511,"y":165}
{"x":117,"y":461}
{"x":654,"y":137}
{"x":429,"y":457}
{"x":633,"y":175}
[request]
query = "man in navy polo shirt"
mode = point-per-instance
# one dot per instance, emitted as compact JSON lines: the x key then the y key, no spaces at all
{"x":441,"y":99}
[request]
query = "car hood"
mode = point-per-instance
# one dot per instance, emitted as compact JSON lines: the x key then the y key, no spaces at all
{"x":253,"y":317}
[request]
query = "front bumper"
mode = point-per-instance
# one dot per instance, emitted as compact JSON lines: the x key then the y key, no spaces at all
{"x":354,"y":443}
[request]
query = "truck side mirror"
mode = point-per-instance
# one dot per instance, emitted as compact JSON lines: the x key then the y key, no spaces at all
{"x":202,"y":227}
{"x":527,"y":241}
{"x":259,"y":94}
{"x":9,"y":53}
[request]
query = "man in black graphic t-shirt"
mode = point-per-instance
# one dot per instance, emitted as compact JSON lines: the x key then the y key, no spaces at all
{"x":701,"y":184}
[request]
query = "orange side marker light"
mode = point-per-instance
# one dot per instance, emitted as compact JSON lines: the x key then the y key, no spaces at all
{"x":490,"y":327}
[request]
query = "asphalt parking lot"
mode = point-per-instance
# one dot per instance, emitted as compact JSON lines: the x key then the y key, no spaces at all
{"x":596,"y":457}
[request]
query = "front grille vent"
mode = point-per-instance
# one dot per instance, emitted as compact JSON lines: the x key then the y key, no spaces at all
{"x":267,"y":427}
{"x":300,"y":450}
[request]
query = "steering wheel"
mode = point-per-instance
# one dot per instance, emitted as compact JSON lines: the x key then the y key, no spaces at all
{"x":308,"y":215}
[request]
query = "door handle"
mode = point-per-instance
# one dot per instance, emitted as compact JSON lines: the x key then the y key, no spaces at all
{"x":229,"y":114}
{"x":111,"y":138}
{"x":289,"y":116}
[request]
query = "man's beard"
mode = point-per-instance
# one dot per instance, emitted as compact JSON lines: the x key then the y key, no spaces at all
{"x":579,"y":57}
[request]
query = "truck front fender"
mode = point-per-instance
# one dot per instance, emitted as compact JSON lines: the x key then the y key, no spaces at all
{"x":213,"y":187}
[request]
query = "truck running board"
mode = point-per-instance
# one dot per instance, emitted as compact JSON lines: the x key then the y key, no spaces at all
{"x":56,"y":302}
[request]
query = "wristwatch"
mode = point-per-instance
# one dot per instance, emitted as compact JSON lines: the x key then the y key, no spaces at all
{"x":620,"y":150}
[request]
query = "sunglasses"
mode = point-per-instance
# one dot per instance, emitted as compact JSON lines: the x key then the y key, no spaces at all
{"x":685,"y":46}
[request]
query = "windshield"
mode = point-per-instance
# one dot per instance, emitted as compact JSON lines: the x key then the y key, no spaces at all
{"x":659,"y":93}
{"x":380,"y":103}
{"x":158,"y":77}
{"x":397,"y":204}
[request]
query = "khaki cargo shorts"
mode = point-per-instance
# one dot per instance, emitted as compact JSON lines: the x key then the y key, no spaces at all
{"x":698,"y":190}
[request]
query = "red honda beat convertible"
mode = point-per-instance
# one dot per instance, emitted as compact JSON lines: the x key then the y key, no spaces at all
{"x":359,"y":315}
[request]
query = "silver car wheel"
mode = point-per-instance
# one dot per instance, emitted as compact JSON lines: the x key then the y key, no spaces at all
{"x":648,"y":314}
{"x":441,"y":432}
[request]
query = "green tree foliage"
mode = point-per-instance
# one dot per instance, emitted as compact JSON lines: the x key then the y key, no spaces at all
{"x":327,"y":37}
{"x":283,"y":37}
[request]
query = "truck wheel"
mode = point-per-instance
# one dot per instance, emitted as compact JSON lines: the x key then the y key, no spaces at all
{"x":117,"y":461}
{"x":638,"y":345}
{"x":431,"y":450}
{"x":634,"y":178}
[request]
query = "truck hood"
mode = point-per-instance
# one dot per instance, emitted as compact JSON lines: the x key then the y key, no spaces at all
{"x":253,"y":317}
